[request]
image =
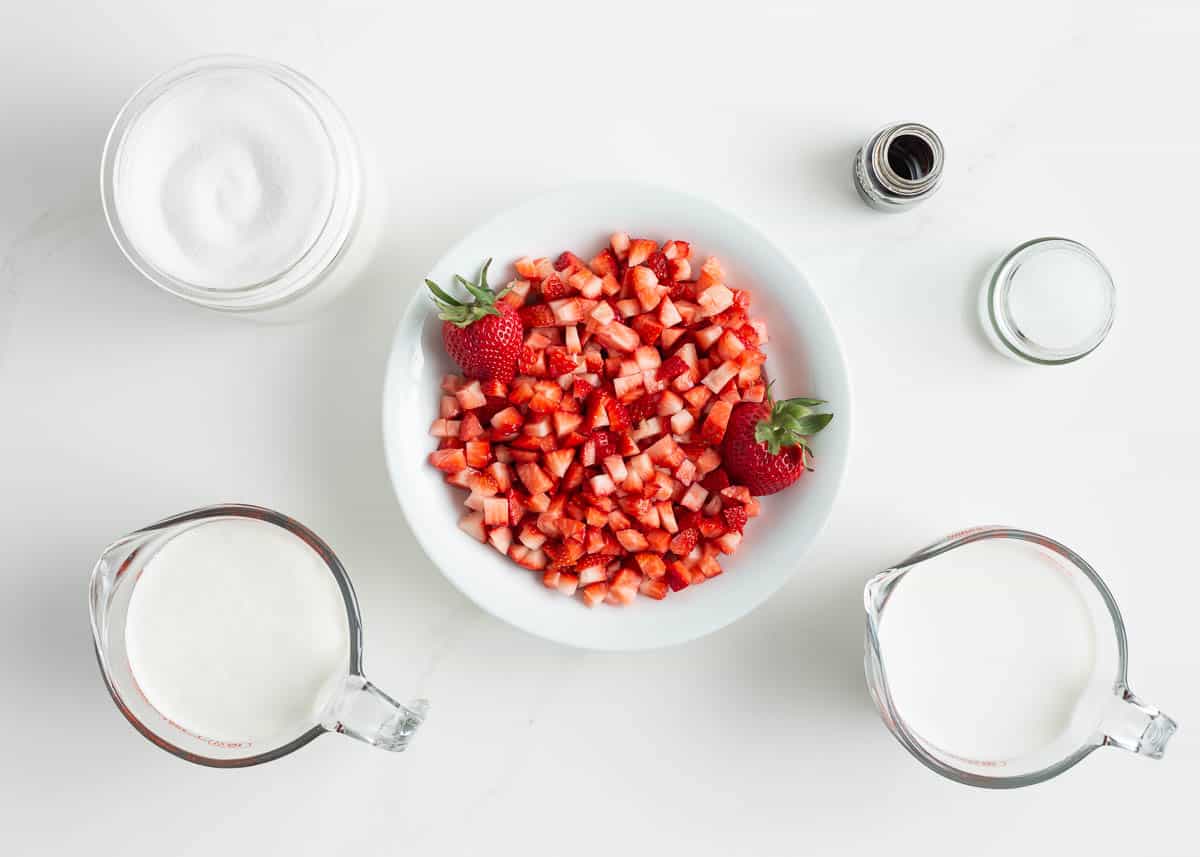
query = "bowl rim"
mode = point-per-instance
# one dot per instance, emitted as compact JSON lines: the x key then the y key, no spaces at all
{"x":417,"y":305}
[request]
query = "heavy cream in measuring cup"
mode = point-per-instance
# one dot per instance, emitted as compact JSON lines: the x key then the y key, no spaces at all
{"x":237,"y":631}
{"x":990,"y":652}
{"x":226,"y":179}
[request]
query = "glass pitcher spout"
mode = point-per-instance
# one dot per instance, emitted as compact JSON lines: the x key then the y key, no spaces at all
{"x":1137,"y":726}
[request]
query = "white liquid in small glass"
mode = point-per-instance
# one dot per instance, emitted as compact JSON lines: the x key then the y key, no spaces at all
{"x":990,"y":656}
{"x":237,"y":631}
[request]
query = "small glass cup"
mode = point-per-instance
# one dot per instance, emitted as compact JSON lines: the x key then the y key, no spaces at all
{"x":1048,"y":302}
{"x":1122,"y":720}
{"x":336,"y":255}
{"x":358,"y":708}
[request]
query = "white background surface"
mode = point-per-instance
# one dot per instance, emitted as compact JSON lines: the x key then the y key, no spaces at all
{"x":121,"y":404}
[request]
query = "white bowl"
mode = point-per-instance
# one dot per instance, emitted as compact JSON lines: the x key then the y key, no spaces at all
{"x":804,"y":357}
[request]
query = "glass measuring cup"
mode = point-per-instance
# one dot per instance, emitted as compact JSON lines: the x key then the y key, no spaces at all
{"x":1105,"y":712}
{"x":355,"y":707}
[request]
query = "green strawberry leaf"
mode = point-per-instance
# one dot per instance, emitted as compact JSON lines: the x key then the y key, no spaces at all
{"x":455,"y":311}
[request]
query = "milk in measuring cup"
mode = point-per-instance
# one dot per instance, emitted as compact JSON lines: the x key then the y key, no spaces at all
{"x":237,"y":631}
{"x":988,"y":658}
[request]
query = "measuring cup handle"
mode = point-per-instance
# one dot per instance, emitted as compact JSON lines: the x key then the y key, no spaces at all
{"x":365,"y":712}
{"x":1137,"y":726}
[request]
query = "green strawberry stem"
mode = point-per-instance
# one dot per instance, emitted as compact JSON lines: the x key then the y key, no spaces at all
{"x":453,"y":310}
{"x":790,"y":423}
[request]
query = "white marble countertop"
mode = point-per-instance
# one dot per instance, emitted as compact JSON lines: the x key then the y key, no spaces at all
{"x":121,"y":404}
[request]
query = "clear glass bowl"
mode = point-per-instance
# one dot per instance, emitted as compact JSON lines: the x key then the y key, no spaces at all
{"x":336,"y":252}
{"x":1049,"y":301}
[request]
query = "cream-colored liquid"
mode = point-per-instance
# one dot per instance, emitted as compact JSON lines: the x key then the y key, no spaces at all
{"x":237,"y":631}
{"x":989,"y":651}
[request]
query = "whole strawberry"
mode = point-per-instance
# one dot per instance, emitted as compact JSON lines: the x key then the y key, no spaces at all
{"x":482,"y":337}
{"x":765,"y":446}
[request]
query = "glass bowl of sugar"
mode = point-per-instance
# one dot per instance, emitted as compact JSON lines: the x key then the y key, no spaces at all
{"x":235,"y":183}
{"x":1050,"y":301}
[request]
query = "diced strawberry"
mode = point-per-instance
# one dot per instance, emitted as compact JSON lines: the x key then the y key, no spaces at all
{"x":720,"y":376}
{"x":471,"y":396}
{"x":656,"y":589}
{"x":632,"y":540}
{"x":665,"y":451}
{"x":478,"y":453}
{"x":448,"y":460}
{"x":472,"y":525}
{"x":658,"y":539}
{"x":677,"y":249}
{"x":604,"y":263}
{"x":534,"y":560}
{"x":648,"y":328}
{"x":713,"y":429}
{"x":735,"y":517}
{"x":531,"y":361}
{"x":619,"y":241}
{"x":451,"y":428}
{"x":651,"y":565}
{"x":568,"y":261}
{"x":602,"y":485}
{"x":708,"y":336}
{"x":716,"y":481}
{"x":680,"y":271}
{"x":588,"y":284}
{"x":553,"y":288}
{"x":754,"y":392}
{"x":538,"y":315}
{"x":711,"y":273}
{"x":449,"y":407}
{"x":528,"y":267}
{"x":730,"y":346}
{"x":516,"y":293}
{"x":534,"y":478}
{"x":640,"y":250}
{"x":495,"y":512}
{"x":679,"y":576}
{"x":565,"y":423}
{"x":594,"y":593}
{"x":571,"y":339}
{"x":623,"y":588}
{"x":559,"y":361}
{"x":658,"y":263}
{"x":737,"y":494}
{"x":668,"y":314}
{"x":501,"y":538}
{"x":500,"y":473}
{"x":694,"y":497}
{"x":618,"y":416}
{"x":568,"y":583}
{"x":470,"y":428}
{"x":558,"y":461}
{"x":643,"y":407}
{"x":646,"y":288}
{"x":451,"y":383}
{"x":713,"y":300}
{"x":628,"y":307}
{"x":516,"y":507}
{"x":617,"y":336}
{"x":684,"y":541}
{"x":507,"y":423}
{"x":531,"y":536}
